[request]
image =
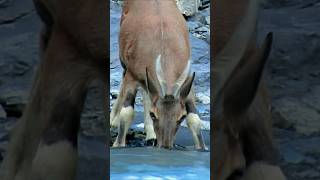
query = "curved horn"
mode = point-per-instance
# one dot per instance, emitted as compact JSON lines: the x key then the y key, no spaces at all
{"x":179,"y":82}
{"x":230,"y":56}
{"x":159,"y":73}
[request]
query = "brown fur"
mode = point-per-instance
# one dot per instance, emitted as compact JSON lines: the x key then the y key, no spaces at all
{"x":149,"y":29}
{"x":73,"y":54}
{"x":242,"y":125}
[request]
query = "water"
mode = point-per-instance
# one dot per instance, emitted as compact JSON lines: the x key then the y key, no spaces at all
{"x":158,"y":164}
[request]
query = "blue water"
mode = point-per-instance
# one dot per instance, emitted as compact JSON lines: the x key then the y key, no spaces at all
{"x":153,"y":164}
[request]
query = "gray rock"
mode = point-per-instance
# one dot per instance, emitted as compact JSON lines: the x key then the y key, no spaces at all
{"x":311,"y":173}
{"x":303,"y":118}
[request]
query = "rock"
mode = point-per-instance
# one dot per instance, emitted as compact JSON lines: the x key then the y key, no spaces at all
{"x":202,"y":98}
{"x":303,"y":118}
{"x":14,"y":101}
{"x":280,"y":121}
{"x":208,"y":20}
{"x":311,"y":173}
{"x":3,"y":113}
{"x":292,"y":156}
{"x":188,"y":7}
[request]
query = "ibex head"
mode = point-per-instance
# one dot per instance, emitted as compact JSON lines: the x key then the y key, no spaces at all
{"x":168,"y":109}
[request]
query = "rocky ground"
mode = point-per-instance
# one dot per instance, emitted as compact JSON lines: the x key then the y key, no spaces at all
{"x":293,"y":77}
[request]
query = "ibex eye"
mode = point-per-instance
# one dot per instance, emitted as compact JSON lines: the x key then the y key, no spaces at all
{"x":152,"y":115}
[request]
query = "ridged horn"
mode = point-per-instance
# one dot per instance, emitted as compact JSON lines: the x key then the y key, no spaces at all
{"x":182,"y":78}
{"x":160,"y":77}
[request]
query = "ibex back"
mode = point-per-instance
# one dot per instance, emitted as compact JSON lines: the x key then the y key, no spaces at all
{"x":73,"y":52}
{"x":243,"y":147}
{"x":155,"y":54}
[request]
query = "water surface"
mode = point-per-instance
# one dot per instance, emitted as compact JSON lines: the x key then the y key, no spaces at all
{"x":148,"y":163}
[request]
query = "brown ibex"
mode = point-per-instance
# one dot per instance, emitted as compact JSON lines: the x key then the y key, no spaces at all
{"x":155,"y":54}
{"x":243,"y":146}
{"x":73,"y":53}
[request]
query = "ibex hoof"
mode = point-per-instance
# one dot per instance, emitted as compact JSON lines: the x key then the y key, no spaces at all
{"x":150,"y":142}
{"x":116,"y":144}
{"x":202,"y":149}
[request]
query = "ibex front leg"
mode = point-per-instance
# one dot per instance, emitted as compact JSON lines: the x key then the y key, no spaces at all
{"x":125,"y":107}
{"x":148,"y":123}
{"x":194,"y":122}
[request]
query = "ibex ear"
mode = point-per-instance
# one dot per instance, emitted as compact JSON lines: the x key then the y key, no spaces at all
{"x":186,"y":87}
{"x":151,"y":88}
{"x":241,"y":87}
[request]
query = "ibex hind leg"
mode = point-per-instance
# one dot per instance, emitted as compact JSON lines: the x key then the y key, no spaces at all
{"x":148,"y":123}
{"x":125,"y":108}
{"x":114,"y":118}
{"x":194,"y":122}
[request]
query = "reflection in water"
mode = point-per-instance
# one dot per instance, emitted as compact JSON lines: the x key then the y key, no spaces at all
{"x":153,"y":163}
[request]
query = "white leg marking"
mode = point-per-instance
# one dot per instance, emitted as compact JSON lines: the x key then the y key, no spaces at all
{"x":56,"y":161}
{"x":194,"y":123}
{"x":114,"y":118}
{"x":125,"y":118}
{"x":261,"y":170}
{"x":148,"y":123}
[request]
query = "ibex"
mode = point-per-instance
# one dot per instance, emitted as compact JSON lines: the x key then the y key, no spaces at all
{"x":243,"y":147}
{"x":155,"y":54}
{"x":73,"y":53}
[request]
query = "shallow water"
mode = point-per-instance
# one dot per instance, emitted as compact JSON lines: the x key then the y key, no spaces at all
{"x":157,"y":164}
